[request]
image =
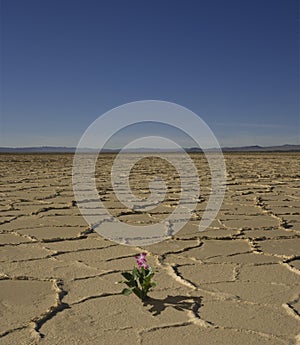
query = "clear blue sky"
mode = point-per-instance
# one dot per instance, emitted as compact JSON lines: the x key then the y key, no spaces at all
{"x":234,"y":63}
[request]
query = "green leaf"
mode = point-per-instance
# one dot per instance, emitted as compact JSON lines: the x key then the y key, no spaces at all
{"x":153,"y":284}
{"x":147,"y":280}
{"x":150,"y":270}
{"x":135,"y":273}
{"x":141,"y":280}
{"x":127,"y":275}
{"x":126,"y":292}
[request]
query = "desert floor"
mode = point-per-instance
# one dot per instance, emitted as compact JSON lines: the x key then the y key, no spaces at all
{"x":236,"y":283}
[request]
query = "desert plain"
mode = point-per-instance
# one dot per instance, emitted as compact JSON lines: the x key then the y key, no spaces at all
{"x":235,"y":283}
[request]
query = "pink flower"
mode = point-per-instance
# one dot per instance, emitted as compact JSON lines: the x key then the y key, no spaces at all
{"x":141,"y":256}
{"x":141,"y":261}
{"x":143,"y":264}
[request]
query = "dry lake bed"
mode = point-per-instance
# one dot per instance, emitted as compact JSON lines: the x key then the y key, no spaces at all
{"x":235,"y":283}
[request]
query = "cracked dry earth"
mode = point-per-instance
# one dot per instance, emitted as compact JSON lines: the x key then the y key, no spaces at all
{"x":235,"y":283}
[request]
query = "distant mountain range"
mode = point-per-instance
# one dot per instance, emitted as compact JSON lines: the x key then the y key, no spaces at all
{"x":61,"y":149}
{"x":256,"y":148}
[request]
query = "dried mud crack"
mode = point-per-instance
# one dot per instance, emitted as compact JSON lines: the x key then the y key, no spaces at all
{"x":235,"y":283}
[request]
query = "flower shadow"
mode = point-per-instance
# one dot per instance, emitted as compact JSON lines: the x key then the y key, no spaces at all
{"x":182,"y":303}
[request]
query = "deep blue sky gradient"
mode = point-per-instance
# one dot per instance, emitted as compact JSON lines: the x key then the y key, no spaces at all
{"x":234,"y":63}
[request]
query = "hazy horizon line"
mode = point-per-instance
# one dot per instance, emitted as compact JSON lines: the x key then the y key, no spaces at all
{"x":46,"y":148}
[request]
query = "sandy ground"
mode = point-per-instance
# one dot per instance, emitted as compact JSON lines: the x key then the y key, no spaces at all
{"x":235,"y":283}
